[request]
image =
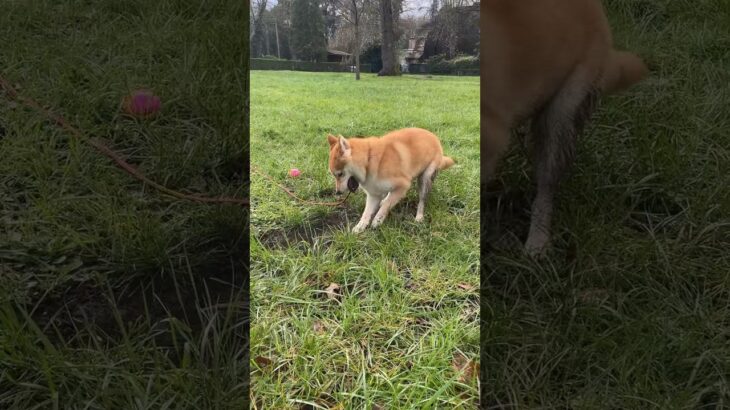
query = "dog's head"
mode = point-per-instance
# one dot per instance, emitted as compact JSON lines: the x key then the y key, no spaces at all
{"x":340,"y":158}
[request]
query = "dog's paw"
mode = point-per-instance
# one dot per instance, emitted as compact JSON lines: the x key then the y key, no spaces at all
{"x":419,"y":218}
{"x":537,"y":246}
{"x":378,"y":220}
{"x":359,"y":228}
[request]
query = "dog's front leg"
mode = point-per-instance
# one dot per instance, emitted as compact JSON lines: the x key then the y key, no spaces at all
{"x":371,"y":206}
{"x":393,"y":198}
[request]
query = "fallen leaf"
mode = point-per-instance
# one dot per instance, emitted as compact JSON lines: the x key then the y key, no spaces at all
{"x":318,"y":327}
{"x":262,"y":361}
{"x":465,"y":286}
{"x":466,"y":368}
{"x":332,"y":291}
{"x":594,"y":296}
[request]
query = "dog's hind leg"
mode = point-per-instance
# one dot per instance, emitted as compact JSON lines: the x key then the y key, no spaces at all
{"x":425,"y":182}
{"x":555,"y":130}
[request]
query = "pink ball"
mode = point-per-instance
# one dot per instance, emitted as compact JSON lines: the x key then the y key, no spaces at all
{"x":294,"y":173}
{"x":142,"y":104}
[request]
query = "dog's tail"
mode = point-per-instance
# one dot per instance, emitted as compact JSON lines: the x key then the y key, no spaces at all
{"x":445,"y":163}
{"x":624,"y":69}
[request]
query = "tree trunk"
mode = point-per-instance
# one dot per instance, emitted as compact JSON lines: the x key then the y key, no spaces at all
{"x":357,"y":39}
{"x":357,"y":56}
{"x":266,"y":38}
{"x":276,"y":30}
{"x":387,"y":51}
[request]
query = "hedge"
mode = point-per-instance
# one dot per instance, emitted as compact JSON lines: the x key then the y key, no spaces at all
{"x":294,"y":65}
{"x":461,"y":65}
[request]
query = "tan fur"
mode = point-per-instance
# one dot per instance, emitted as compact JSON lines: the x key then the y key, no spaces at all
{"x":545,"y":60}
{"x":385,"y":167}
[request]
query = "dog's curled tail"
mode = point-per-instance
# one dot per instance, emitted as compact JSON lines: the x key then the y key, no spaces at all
{"x":445,"y":163}
{"x":624,"y":70}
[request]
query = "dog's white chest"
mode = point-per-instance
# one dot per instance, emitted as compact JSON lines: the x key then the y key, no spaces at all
{"x":377,"y":188}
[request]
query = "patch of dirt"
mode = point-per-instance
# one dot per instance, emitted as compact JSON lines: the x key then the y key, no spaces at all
{"x":309,"y":231}
{"x":146,"y":301}
{"x":506,"y":216}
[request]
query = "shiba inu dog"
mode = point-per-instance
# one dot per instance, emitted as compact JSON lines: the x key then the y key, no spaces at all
{"x":547,"y":61}
{"x":385,"y":167}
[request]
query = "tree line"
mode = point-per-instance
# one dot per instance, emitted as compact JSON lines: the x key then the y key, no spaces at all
{"x":302,"y":29}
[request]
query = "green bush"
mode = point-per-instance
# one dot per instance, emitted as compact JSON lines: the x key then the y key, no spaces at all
{"x":460,"y":65}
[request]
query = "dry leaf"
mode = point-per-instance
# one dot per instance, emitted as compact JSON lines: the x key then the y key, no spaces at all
{"x":262,"y":361}
{"x":466,"y":369}
{"x":332,"y":291}
{"x":465,"y":286}
{"x":318,"y":327}
{"x":595,"y":296}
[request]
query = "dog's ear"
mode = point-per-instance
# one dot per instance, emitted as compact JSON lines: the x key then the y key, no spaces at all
{"x":345,"y":147}
{"x":331,"y":139}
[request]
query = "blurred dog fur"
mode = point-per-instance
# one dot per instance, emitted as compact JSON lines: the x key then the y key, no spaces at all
{"x":547,"y":61}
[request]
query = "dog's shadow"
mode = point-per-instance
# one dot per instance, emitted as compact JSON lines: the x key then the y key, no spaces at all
{"x":311,"y":231}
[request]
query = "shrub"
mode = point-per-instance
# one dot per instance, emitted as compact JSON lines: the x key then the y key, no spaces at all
{"x":461,"y":65}
{"x":295,"y":65}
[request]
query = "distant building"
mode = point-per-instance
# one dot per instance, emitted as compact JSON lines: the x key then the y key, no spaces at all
{"x":337,"y":56}
{"x":415,"y":47}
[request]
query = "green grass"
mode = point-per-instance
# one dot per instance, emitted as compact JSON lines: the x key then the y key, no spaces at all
{"x":112,"y":296}
{"x":631,"y":309}
{"x":390,"y":339}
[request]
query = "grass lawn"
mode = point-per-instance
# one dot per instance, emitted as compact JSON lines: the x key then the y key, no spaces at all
{"x":632,"y":308}
{"x":407,"y":307}
{"x":111,"y":295}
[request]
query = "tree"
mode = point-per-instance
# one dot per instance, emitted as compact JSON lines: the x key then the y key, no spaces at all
{"x":388,"y":21}
{"x":434,"y":10}
{"x":352,"y":12}
{"x":281,"y":20}
{"x":455,"y":30}
{"x":257,"y":39}
{"x":308,"y":41}
{"x":330,"y":9}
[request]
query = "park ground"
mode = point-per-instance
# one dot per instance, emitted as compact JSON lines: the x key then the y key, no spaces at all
{"x":631,"y":308}
{"x":400,"y":329}
{"x":111,"y":295}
